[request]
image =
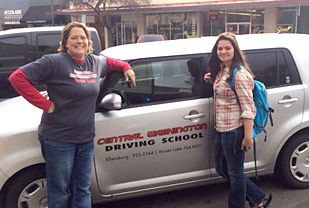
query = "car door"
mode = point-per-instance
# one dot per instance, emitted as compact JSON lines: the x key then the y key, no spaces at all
{"x":277,"y":70}
{"x":160,"y":138}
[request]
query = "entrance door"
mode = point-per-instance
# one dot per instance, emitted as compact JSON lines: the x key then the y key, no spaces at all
{"x":238,"y":27}
{"x":126,"y":32}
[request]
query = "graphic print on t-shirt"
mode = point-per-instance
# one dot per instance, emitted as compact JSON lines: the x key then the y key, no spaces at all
{"x":83,"y":76}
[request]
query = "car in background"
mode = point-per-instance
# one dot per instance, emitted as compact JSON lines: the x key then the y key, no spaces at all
{"x":149,"y":38}
{"x":158,"y":136}
{"x":23,"y":45}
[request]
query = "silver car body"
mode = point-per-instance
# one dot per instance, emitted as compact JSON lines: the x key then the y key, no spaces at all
{"x":167,"y":145}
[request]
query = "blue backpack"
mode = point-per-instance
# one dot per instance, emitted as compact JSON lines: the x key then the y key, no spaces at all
{"x":263,"y":111}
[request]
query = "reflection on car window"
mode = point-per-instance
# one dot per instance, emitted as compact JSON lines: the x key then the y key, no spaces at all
{"x":47,"y":43}
{"x":272,"y":67}
{"x":166,"y":80}
{"x":264,"y":67}
{"x":12,"y":51}
{"x":285,"y":76}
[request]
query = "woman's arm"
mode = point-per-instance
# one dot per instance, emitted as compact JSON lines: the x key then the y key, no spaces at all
{"x":116,"y":64}
{"x":243,"y":86}
{"x":22,"y":85}
{"x":247,"y":142}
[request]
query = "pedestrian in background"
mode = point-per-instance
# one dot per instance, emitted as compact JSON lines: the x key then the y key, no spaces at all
{"x":233,"y":120}
{"x":66,"y":130}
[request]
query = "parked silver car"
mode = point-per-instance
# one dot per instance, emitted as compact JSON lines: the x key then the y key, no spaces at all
{"x":161,"y":139}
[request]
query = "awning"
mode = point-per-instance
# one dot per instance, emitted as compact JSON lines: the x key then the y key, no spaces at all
{"x":42,"y":15}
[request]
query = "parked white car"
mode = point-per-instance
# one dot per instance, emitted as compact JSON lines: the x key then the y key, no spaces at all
{"x":161,"y":139}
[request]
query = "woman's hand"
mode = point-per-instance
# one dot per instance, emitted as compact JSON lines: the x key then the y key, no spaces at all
{"x":207,"y":78}
{"x":246,"y":144}
{"x":129,"y":74}
{"x":51,"y":108}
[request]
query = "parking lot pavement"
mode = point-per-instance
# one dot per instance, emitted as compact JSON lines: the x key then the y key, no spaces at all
{"x":215,"y":196}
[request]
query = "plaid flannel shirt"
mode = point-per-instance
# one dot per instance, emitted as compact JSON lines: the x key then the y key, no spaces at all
{"x":228,"y":113}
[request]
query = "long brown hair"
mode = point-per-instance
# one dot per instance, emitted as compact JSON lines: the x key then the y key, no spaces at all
{"x":215,"y":64}
{"x":66,"y":32}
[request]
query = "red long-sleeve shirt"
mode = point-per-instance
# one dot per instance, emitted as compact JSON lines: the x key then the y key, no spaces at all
{"x":23,"y":86}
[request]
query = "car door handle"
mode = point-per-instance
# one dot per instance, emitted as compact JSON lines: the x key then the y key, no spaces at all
{"x":288,"y":101}
{"x":195,"y":116}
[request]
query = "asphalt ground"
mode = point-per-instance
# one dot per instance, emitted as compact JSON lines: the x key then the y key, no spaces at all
{"x":215,"y":196}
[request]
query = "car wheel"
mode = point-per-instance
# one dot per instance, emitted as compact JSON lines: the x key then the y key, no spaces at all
{"x":293,"y":163}
{"x":28,"y":189}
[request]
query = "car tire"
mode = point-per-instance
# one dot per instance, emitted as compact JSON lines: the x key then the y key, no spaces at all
{"x":293,"y":163}
{"x":27,"y":189}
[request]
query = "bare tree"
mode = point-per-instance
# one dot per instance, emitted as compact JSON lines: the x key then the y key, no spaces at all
{"x":100,"y":7}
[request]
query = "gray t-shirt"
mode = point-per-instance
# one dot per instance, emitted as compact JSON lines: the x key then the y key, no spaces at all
{"x":74,"y":89}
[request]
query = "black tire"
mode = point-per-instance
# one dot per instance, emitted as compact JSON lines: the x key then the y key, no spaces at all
{"x":293,"y":163}
{"x":27,"y":189}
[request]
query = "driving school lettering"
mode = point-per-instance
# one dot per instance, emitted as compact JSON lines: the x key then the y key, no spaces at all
{"x":168,"y":135}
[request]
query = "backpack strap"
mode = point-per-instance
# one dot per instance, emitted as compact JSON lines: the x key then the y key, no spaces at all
{"x":232,"y":84}
{"x":232,"y":81}
{"x":254,"y":156}
{"x":271,"y":110}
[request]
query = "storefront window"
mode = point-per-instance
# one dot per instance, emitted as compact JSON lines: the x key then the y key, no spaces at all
{"x":238,"y":22}
{"x":190,"y":25}
{"x":238,"y":16}
{"x":172,"y":25}
{"x":287,"y":20}
{"x":164,"y":27}
{"x":303,"y":20}
{"x":213,"y":23}
{"x":257,"y":23}
{"x":152,"y":24}
{"x":126,"y":32}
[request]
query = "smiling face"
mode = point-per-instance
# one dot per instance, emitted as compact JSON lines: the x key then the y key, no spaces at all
{"x":77,"y":43}
{"x":225,"y":52}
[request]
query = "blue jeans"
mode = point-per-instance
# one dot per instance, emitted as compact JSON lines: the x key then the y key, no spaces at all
{"x":68,"y":172}
{"x":229,"y":161}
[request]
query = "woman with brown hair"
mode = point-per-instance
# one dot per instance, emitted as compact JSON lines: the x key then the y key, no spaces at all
{"x":233,"y":120}
{"x":66,"y":130}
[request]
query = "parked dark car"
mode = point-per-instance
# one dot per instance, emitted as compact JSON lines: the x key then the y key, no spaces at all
{"x":149,"y":38}
{"x":21,"y":46}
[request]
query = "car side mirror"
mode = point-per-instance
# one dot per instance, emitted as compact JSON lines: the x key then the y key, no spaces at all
{"x":111,"y":101}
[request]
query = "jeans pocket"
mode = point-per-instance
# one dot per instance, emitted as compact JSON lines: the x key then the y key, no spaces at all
{"x":233,"y":139}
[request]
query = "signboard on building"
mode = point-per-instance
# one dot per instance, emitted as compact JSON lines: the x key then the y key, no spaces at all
{"x":285,"y":28}
{"x":12,"y":16}
{"x":213,"y":15}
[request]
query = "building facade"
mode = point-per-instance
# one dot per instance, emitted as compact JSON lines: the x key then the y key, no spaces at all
{"x":31,"y":13}
{"x":188,"y":19}
{"x":180,"y":18}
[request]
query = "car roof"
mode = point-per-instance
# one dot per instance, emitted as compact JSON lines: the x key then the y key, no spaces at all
{"x":202,"y":45}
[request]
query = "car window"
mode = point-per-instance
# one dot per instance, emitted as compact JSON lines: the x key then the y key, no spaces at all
{"x":12,"y":51}
{"x":163,"y":80}
{"x":273,"y":67}
{"x":48,"y":43}
{"x":287,"y":70}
